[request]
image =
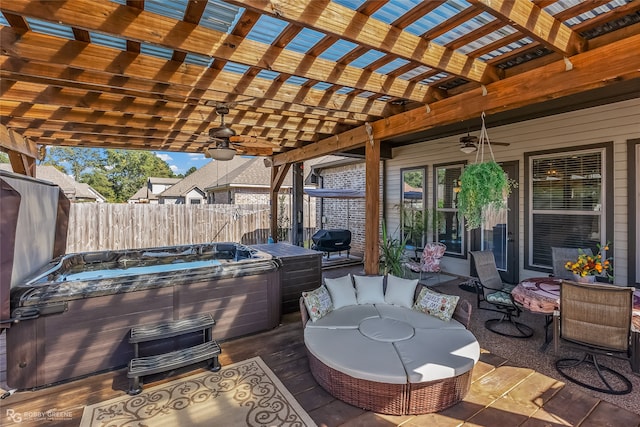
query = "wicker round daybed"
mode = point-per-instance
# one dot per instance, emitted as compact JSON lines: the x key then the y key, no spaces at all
{"x":392,"y":399}
{"x":365,"y":356}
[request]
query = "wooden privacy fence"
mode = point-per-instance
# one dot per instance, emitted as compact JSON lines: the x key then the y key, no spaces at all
{"x":107,"y":226}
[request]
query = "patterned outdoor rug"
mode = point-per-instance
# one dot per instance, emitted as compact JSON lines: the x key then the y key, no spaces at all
{"x":244,"y":393}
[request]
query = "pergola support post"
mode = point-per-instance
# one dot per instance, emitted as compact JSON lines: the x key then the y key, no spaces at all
{"x":22,"y":152}
{"x":372,"y":207}
{"x":297,"y":220}
{"x":278,"y":174}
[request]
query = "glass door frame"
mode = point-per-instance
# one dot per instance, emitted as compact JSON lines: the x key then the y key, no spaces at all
{"x":510,"y":274}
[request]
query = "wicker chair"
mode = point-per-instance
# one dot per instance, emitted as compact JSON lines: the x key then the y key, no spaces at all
{"x":595,"y":318}
{"x":490,"y":290}
{"x":430,"y":259}
{"x":560,"y":257}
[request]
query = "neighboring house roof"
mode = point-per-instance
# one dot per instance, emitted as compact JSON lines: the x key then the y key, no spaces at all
{"x":314,"y":166}
{"x":85,"y":191}
{"x":143,"y":193}
{"x":206,"y":176}
{"x":70,"y":187}
{"x":253,"y":173}
{"x":163,"y":180}
{"x":326,"y":162}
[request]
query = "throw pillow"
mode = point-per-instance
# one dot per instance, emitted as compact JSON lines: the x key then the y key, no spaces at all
{"x":436,"y":304}
{"x":342,"y":291}
{"x":400,"y":291}
{"x":318,"y":302}
{"x":369,"y":289}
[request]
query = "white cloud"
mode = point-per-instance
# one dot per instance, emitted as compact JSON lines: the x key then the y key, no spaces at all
{"x":174,"y":168}
{"x":164,"y":156}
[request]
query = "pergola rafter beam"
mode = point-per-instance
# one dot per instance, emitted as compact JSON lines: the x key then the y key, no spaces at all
{"x":536,"y":23}
{"x":163,"y":74}
{"x":348,"y":24}
{"x":592,"y":69}
{"x":147,"y":27}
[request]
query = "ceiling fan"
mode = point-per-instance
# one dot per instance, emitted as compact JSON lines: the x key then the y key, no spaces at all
{"x":221,"y":138}
{"x":469,"y":143}
{"x":226,"y":143}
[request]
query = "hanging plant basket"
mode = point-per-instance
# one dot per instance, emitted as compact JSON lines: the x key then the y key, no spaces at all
{"x":482,"y":184}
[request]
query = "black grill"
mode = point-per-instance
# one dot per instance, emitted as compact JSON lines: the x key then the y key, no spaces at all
{"x":333,"y":240}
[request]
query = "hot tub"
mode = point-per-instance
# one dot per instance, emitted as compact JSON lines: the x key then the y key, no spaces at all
{"x":75,"y":313}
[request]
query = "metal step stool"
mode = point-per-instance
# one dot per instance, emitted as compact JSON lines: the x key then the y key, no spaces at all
{"x":141,"y":366}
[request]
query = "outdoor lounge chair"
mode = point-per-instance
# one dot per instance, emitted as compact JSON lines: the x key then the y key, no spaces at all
{"x":490,"y":290}
{"x":560,"y":257}
{"x":595,"y":318}
{"x":430,"y":259}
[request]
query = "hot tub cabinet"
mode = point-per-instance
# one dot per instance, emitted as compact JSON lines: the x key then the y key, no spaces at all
{"x":301,"y":271}
{"x":76,"y":313}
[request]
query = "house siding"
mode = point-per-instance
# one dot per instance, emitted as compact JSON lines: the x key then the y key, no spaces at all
{"x":615,"y":123}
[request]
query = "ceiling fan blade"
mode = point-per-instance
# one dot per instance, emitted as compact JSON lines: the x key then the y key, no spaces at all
{"x":219,"y":140}
{"x":504,"y":144}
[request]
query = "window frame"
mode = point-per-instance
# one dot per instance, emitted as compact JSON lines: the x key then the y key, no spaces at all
{"x":424,"y":170}
{"x":606,"y":213}
{"x":464,"y":234}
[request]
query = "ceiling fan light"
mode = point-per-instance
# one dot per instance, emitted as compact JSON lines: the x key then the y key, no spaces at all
{"x":221,"y":153}
{"x":468,"y":149}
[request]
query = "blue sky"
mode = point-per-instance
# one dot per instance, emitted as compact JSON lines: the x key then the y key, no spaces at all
{"x":181,"y":162}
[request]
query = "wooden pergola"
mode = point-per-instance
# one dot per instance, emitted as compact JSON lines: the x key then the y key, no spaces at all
{"x":301,"y":78}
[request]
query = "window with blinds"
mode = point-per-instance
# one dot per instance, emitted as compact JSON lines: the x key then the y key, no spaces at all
{"x":566,"y":203}
{"x":448,"y":221}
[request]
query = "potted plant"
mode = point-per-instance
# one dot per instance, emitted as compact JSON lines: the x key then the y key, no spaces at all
{"x":481,"y":185}
{"x":587,"y":267}
{"x":391,"y":254}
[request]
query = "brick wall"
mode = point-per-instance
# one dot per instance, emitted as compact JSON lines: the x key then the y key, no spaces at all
{"x":345,"y":213}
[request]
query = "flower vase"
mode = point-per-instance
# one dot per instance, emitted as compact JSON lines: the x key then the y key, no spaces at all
{"x":584,"y":279}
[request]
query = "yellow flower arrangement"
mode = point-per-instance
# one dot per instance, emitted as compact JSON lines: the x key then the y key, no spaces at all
{"x":591,"y":265}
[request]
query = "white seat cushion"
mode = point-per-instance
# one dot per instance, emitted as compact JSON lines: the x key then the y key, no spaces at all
{"x":342,"y":291}
{"x":369,"y":289}
{"x":387,"y":330}
{"x":435,"y":354}
{"x":348,"y":317}
{"x":345,"y":351}
{"x":399,"y":291}
{"x":416,"y":318}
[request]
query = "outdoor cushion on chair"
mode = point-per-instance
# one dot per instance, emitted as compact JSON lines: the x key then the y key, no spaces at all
{"x":430,"y":259}
{"x":492,"y":291}
{"x":499,"y":297}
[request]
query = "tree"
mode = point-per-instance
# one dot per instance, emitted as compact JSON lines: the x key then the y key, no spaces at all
{"x":74,"y":160}
{"x":116,"y":174}
{"x":413,"y":178}
{"x":191,"y":170}
{"x":4,"y":157}
{"x":128,"y":171}
{"x":99,"y":180}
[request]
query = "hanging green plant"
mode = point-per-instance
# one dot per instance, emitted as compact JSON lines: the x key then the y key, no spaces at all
{"x":482,"y":185}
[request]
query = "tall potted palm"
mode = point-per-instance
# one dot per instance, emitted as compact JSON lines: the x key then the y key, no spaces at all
{"x":391,"y":253}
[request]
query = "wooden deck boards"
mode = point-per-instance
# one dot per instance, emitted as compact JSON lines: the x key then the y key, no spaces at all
{"x":501,"y":395}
